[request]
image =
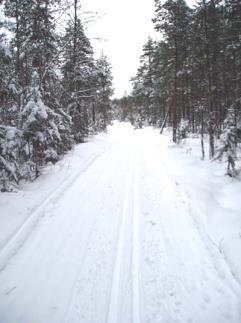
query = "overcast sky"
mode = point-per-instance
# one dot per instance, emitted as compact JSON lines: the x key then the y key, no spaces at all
{"x":125,"y":26}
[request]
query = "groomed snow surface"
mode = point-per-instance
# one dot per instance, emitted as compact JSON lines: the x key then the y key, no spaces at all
{"x":127,"y":228}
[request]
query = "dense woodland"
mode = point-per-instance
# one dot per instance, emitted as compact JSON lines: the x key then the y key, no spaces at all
{"x":190,"y":80}
{"x":53,"y":91}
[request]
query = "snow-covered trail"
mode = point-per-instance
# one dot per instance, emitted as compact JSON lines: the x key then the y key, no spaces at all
{"x":123,"y":244}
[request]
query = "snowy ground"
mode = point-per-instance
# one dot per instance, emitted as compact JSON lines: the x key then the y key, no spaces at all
{"x":125,"y":229}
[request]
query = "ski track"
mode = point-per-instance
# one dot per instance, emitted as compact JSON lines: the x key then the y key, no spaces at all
{"x":113,"y":313}
{"x":118,"y":242}
{"x":135,"y":248}
{"x":20,"y":236}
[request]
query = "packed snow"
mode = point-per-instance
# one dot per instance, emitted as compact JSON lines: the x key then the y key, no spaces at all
{"x":126,"y":228}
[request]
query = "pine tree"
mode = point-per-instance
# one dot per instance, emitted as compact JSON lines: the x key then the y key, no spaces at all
{"x":41,"y":102}
{"x":232,"y":54}
{"x":18,"y":12}
{"x":6,"y":101}
{"x":39,"y":128}
{"x":104,"y":92}
{"x":207,"y":24}
{"x":10,"y":143}
{"x":35,"y":100}
{"x":196,"y":72}
{"x":172,"y":18}
{"x":10,"y":136}
{"x":143,"y":83}
{"x":228,"y":143}
{"x":78,"y":81}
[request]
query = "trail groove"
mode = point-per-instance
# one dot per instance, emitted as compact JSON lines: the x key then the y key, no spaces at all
{"x":118,"y":242}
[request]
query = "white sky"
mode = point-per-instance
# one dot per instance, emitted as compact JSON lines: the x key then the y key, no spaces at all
{"x":125,"y":25}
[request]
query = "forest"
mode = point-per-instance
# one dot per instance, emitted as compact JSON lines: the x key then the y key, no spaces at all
{"x":120,"y":208}
{"x":190,"y":80}
{"x":53,"y":91}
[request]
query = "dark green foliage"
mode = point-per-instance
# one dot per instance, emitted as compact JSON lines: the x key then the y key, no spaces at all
{"x":52,"y":91}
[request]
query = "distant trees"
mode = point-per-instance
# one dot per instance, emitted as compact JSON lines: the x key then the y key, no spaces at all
{"x":192,"y":76}
{"x":143,"y":82}
{"x":102,"y":115}
{"x":49,"y":87}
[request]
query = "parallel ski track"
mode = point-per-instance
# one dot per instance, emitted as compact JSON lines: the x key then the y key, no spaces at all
{"x":135,"y":249}
{"x":130,"y":208}
{"x":115,"y":286}
{"x":17,"y":240}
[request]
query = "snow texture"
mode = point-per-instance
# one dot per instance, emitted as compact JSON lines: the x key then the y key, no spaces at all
{"x":127,"y":228}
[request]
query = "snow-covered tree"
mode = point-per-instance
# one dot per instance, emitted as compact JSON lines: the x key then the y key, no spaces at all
{"x":228,"y":142}
{"x":78,"y":69}
{"x":172,"y":18}
{"x":10,"y":144}
{"x":143,"y":83}
{"x":103,"y":93}
{"x":10,"y":137}
{"x":41,"y":110}
{"x":5,"y":91}
{"x":18,"y":12}
{"x":39,"y":128}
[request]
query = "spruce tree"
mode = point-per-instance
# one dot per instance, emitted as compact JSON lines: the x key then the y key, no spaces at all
{"x":78,"y":77}
{"x":103,"y":92}
{"x":10,"y":136}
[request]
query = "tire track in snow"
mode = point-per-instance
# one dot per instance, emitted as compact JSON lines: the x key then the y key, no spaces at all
{"x":16,"y":242}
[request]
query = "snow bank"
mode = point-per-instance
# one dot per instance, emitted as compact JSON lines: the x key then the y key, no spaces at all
{"x":215,"y":196}
{"x":21,"y":211}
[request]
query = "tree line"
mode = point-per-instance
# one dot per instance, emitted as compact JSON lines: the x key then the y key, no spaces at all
{"x":53,"y":92}
{"x":190,"y":80}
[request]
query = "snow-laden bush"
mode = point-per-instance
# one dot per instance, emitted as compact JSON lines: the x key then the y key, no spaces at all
{"x":28,"y":171}
{"x":228,"y":144}
{"x":183,"y":129}
{"x":40,"y":130}
{"x":51,"y":156}
{"x":10,"y":145}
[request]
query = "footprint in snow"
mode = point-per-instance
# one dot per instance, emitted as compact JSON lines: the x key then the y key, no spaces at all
{"x":152,"y":223}
{"x":10,"y":290}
